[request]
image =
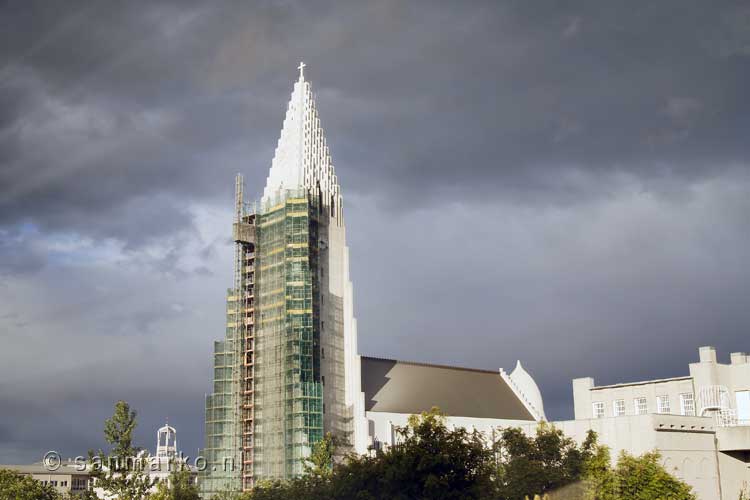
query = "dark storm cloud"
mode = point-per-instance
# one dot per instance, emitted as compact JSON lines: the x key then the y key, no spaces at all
{"x":17,"y":254}
{"x":421,"y":100}
{"x":521,"y":179}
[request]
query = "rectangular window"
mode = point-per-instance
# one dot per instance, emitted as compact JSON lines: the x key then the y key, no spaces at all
{"x":641,"y":406}
{"x":687,"y":404}
{"x":743,"y":406}
{"x":619,"y":407}
{"x":598,"y":409}
{"x":662,"y":404}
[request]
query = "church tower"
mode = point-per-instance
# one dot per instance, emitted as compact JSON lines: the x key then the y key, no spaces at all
{"x":287,"y":371}
{"x":166,"y":443}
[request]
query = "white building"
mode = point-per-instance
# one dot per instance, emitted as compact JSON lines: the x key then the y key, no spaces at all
{"x":700,"y":423}
{"x":480,"y":400}
{"x":288,"y":369}
{"x":69,"y":478}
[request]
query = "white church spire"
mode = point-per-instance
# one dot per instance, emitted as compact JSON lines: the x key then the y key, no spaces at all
{"x":302,"y":158}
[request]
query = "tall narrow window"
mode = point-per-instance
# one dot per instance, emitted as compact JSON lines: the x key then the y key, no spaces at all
{"x":619,"y":407}
{"x":743,"y":406}
{"x":687,"y":404}
{"x":662,"y":404}
{"x":598,"y":409}
{"x":641,"y":406}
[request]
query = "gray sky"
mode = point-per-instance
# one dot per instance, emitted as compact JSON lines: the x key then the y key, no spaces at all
{"x":567,"y":185}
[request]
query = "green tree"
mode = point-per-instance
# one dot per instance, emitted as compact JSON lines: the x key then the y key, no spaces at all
{"x":306,"y":487}
{"x":21,"y":487}
{"x":598,"y":479}
{"x":180,"y":486}
{"x":118,"y":430}
{"x":544,"y":463}
{"x":162,"y":492}
{"x":320,"y":462}
{"x":121,"y":473}
{"x":228,"y":495}
{"x":644,"y":478}
{"x":430,"y":461}
{"x":84,"y":495}
{"x":634,"y":478}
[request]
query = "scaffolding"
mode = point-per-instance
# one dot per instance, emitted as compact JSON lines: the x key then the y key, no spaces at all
{"x":284,"y":337}
{"x":221,"y":416}
{"x":289,"y":397}
{"x":245,"y":234}
{"x":229,"y":409}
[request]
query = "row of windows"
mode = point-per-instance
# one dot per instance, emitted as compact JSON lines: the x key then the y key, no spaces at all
{"x":80,"y":483}
{"x":640,"y":406}
{"x":54,"y":483}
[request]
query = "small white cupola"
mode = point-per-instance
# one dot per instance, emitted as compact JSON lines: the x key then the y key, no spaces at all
{"x":166,"y":442}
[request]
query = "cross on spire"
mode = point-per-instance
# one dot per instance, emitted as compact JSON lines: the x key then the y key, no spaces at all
{"x":301,"y":69}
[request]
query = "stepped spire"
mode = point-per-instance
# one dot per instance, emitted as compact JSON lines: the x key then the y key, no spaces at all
{"x":290,"y":320}
{"x":302,"y":159}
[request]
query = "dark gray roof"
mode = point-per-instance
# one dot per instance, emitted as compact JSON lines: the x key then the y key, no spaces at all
{"x":406,"y":387}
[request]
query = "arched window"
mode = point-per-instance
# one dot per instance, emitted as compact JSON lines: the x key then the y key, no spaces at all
{"x":688,"y":470}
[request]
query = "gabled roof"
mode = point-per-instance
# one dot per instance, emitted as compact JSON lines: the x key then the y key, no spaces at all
{"x":406,"y":387}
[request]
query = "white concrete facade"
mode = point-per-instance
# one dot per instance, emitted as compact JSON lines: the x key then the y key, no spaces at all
{"x":686,"y":444}
{"x":699,"y":423}
{"x":710,"y":388}
{"x":708,"y":451}
{"x":668,"y":396}
{"x":731,"y":379}
{"x":383,"y":426}
{"x":71,"y":478}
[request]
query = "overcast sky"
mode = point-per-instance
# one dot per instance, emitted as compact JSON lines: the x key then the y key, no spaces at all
{"x":568,"y":186}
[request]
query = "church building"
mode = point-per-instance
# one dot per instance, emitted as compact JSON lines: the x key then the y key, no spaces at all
{"x":288,"y":370}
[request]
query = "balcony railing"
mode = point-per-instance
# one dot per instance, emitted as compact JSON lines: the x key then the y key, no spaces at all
{"x":714,"y":400}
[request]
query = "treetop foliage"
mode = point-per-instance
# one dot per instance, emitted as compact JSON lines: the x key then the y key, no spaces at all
{"x":432,"y":462}
{"x":429,"y":461}
{"x":122,"y":472}
{"x":20,"y":487}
